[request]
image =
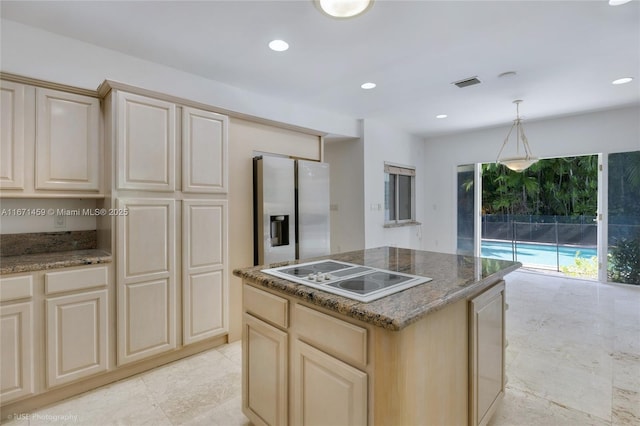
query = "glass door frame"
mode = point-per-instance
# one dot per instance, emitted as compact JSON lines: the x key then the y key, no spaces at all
{"x":602,"y":215}
{"x":477,"y":198}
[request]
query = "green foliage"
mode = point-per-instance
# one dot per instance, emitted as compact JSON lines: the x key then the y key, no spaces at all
{"x":557,"y":186}
{"x":624,"y":216}
{"x":624,"y":261}
{"x":624,"y":184}
{"x":582,"y":267}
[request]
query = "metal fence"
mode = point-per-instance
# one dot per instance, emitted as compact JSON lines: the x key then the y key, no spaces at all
{"x":560,"y":230}
{"x":547,"y":242}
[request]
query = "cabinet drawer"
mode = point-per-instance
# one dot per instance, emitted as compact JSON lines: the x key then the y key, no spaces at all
{"x":16,"y":288}
{"x":348,"y":342}
{"x":79,"y":279}
{"x":266,"y":306}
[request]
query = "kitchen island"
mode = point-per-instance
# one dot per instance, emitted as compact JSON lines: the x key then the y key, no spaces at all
{"x":432,"y":354}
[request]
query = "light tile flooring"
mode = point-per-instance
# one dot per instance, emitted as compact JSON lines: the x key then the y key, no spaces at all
{"x":573,"y":359}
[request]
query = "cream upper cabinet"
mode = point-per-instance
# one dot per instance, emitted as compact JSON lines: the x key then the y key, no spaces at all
{"x":204,"y":155}
{"x":146,"y":286}
{"x":204,"y":273}
{"x":50,"y":143}
{"x":487,"y":353}
{"x":12,"y":135}
{"x":67,"y":150}
{"x":146,"y":143}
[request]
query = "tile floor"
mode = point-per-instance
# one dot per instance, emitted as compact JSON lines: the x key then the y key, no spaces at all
{"x":573,"y":359}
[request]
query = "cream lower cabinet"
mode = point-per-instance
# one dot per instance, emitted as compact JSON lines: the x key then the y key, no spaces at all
{"x":16,"y":328}
{"x":204,"y":274}
{"x":17,"y":339}
{"x":264,"y":372}
{"x":146,"y":287}
{"x":76,"y":336}
{"x":487,"y":353}
{"x":320,"y":356}
{"x":76,"y":324}
{"x":326,"y":391}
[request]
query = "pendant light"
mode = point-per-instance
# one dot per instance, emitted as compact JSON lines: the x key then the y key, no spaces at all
{"x":343,"y":8}
{"x":518,"y":163}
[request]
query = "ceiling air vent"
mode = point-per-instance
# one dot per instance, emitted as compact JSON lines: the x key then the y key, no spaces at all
{"x":467,"y":82}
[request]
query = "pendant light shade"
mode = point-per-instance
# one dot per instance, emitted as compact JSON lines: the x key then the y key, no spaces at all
{"x":522,"y":162}
{"x":343,"y":8}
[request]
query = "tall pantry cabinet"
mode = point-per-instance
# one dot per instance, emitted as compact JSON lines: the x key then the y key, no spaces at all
{"x":168,"y":174}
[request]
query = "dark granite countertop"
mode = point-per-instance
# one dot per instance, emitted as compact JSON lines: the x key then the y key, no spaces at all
{"x":454,"y":278}
{"x":61,"y":259}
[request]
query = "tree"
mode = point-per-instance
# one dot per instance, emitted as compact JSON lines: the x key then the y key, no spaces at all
{"x":558,"y":187}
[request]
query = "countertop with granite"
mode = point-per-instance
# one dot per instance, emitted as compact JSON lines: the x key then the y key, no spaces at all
{"x":49,"y":250}
{"x":43,"y":261}
{"x":454,"y":278}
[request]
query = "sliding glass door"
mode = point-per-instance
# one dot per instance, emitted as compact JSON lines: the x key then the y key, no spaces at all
{"x":467,"y":216}
{"x":516,"y":237}
{"x":623,"y":230}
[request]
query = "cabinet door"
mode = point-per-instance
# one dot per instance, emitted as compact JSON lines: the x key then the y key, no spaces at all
{"x":76,"y":336}
{"x":204,"y":156}
{"x":487,"y":353}
{"x":67,"y":141}
{"x":326,"y":391}
{"x":146,"y":278}
{"x":12,"y":141}
{"x":16,"y":351}
{"x":264,"y":372}
{"x":204,"y":266}
{"x":146,"y":143}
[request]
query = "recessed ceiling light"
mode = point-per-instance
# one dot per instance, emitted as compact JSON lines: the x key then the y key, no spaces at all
{"x":343,"y":8}
{"x":278,"y":45}
{"x":441,"y":116}
{"x":622,"y":80}
{"x":618,"y":2}
{"x":368,"y":86}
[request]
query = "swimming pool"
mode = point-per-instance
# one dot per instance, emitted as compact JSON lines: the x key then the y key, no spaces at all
{"x":538,"y":255}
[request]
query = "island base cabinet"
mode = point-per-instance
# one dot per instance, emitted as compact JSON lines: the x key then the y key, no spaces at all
{"x":487,"y":355}
{"x":326,"y":391}
{"x":264,"y":372}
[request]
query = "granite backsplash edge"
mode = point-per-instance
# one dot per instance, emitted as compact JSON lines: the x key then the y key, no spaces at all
{"x":47,"y":242}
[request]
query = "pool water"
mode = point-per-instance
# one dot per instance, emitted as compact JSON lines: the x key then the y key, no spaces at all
{"x":541,"y":255}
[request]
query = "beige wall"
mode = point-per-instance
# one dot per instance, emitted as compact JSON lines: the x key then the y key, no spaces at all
{"x":245,"y":137}
{"x":346,"y":158}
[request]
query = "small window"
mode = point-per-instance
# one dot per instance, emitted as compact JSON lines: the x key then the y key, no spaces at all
{"x":399,"y":194}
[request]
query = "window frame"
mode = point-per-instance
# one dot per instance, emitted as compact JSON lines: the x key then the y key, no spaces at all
{"x":397,"y":171}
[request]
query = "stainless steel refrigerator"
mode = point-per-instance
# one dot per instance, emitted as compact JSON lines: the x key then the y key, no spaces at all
{"x":291,"y":209}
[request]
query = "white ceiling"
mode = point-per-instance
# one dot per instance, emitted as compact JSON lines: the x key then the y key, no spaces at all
{"x":565,"y":53}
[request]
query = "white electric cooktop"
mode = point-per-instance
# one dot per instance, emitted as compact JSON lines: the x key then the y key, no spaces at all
{"x":362,"y":283}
